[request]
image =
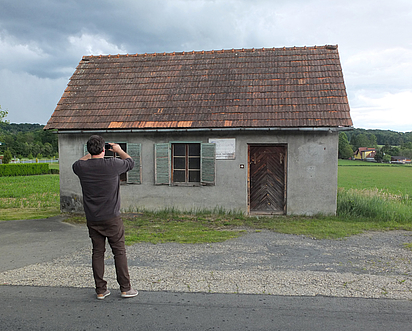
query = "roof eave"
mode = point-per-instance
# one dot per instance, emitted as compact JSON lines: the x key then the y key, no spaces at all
{"x":307,"y":129}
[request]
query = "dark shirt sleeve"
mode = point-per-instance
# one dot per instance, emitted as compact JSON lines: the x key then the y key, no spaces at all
{"x":74,"y":167}
{"x":124,"y":165}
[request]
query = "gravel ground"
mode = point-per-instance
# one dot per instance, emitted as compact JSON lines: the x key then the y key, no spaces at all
{"x":371,"y":265}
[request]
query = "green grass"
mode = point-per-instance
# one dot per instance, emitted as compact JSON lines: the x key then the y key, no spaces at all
{"x":173,"y":227}
{"x":54,"y":166}
{"x":395,"y":179}
{"x":385,"y":211}
{"x":369,"y":164}
{"x":29,"y":197}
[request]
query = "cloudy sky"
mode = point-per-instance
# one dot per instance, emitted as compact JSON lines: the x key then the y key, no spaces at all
{"x":42,"y":41}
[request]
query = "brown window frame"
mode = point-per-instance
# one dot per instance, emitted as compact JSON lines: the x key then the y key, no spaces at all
{"x":186,"y":168}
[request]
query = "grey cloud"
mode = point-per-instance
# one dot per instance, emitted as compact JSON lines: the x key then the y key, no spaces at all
{"x":47,"y":38}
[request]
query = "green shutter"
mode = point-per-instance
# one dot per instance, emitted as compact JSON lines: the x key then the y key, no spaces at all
{"x":85,"y":151}
{"x":162,"y":164}
{"x":134,"y":176}
{"x":207,"y":163}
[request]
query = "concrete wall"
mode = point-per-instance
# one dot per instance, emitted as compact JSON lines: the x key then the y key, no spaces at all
{"x":311,"y":173}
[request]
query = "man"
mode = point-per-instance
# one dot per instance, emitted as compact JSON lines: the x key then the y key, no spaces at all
{"x":99,"y":178}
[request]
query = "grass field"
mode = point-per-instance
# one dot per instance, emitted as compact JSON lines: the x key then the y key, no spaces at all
{"x":358,"y":163}
{"x":28,"y":197}
{"x":395,"y":179}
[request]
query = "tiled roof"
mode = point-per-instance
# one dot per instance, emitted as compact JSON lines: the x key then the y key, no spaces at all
{"x":365,"y":149}
{"x":238,"y":88}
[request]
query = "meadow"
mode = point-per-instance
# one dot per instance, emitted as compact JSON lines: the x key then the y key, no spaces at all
{"x":29,"y":197}
{"x":394,"y":179}
{"x":371,"y":196}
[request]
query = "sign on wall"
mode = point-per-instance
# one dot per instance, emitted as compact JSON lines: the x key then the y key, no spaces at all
{"x":225,"y":148}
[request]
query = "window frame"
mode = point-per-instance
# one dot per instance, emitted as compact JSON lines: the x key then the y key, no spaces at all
{"x":164,"y":164}
{"x":188,"y":170}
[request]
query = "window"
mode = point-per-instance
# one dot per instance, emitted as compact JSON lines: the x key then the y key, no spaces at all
{"x":134,"y":150}
{"x":185,"y":163}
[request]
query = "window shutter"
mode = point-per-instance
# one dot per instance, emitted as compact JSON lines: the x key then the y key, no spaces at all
{"x":207,"y":163}
{"x":134,"y":176}
{"x":85,"y":151}
{"x":162,"y":161}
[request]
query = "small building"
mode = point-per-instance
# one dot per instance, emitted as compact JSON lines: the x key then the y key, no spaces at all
{"x":400,"y":159}
{"x":251,"y":130}
{"x":365,"y":154}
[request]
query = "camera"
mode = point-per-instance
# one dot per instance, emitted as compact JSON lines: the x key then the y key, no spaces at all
{"x":107,"y":146}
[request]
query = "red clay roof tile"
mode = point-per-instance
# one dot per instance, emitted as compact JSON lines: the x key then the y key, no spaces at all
{"x":275,"y":87}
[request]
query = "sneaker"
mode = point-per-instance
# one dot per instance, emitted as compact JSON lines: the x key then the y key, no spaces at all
{"x":130,"y":294}
{"x":103,"y":295}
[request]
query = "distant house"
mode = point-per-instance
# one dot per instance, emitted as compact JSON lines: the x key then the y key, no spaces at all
{"x":400,"y":159}
{"x":365,"y":154}
{"x":254,"y":130}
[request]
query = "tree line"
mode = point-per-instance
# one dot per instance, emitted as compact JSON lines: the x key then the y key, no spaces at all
{"x":387,"y":143}
{"x":27,"y":141}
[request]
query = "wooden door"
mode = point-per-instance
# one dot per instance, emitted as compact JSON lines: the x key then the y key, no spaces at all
{"x":267,"y":164}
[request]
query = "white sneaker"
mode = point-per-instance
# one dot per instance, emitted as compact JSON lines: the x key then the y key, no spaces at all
{"x":130,"y":294}
{"x":103,"y":295}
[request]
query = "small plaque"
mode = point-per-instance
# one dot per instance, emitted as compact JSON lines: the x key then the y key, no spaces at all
{"x":225,"y":148}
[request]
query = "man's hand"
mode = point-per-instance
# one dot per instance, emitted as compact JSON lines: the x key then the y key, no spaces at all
{"x":115,"y":147}
{"x":118,"y":150}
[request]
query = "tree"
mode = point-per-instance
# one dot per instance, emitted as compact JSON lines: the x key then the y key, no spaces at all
{"x":383,"y":136}
{"x":407,"y":145}
{"x":48,"y":149}
{"x":379,"y":155}
{"x":391,"y":150}
{"x":23,"y":139}
{"x":386,"y":148}
{"x":7,"y":156}
{"x":386,"y":158}
{"x":3,"y":115}
{"x":363,"y":140}
{"x":344,"y":149}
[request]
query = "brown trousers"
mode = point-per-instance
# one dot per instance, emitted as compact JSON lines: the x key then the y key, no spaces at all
{"x":113,"y":230}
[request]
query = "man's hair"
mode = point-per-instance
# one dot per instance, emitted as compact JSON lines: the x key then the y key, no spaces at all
{"x":95,"y":145}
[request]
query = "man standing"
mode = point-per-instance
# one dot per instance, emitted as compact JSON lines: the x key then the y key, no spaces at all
{"x":99,"y":178}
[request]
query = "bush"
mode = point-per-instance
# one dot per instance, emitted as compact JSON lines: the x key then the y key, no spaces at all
{"x":386,"y":158}
{"x":24,"y":169}
{"x":374,"y":204}
{"x":7,"y":157}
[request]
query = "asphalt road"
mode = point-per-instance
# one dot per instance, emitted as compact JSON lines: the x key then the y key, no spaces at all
{"x":37,"y":308}
{"x":59,"y":308}
{"x":27,"y":242}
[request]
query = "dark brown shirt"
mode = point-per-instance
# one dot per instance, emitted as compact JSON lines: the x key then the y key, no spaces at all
{"x":100,"y":182}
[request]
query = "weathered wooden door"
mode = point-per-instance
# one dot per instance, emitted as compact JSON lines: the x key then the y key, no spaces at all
{"x":267,"y":167}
